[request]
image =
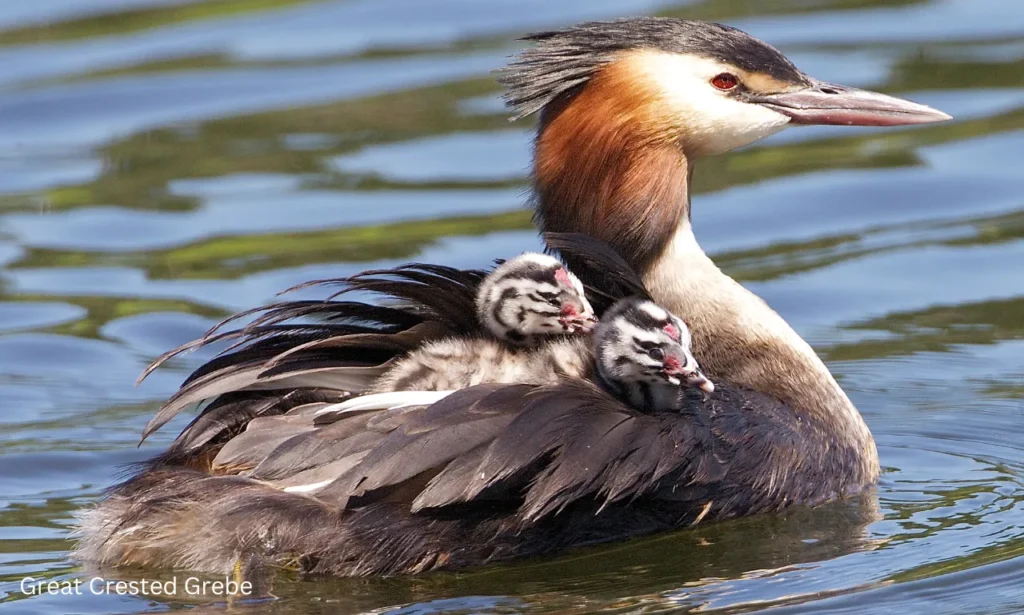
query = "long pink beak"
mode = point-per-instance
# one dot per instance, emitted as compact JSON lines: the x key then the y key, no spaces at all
{"x":831,"y":104}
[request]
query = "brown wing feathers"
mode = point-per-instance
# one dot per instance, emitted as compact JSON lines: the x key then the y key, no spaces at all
{"x":344,"y":345}
{"x":543,"y":448}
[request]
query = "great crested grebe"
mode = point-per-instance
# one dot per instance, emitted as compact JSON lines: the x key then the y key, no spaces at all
{"x":498,"y":471}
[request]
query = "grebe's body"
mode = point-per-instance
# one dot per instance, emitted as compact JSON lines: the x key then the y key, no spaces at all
{"x":497,"y":471}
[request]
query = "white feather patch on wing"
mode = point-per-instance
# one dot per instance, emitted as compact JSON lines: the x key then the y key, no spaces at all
{"x":309,"y":487}
{"x":385,"y":401}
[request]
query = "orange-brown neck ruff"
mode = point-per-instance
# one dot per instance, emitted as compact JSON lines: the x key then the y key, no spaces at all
{"x":609,"y":164}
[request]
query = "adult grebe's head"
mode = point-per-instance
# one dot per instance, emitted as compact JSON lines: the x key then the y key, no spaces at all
{"x":627,"y":105}
{"x":530,"y":296}
{"x":643,"y":355}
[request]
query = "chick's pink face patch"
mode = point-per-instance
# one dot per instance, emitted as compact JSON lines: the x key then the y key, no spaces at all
{"x":672,"y":364}
{"x":672,"y":331}
{"x":563,"y":277}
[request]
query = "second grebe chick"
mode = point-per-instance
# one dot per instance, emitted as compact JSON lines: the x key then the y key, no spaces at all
{"x":532,"y":296}
{"x":643,"y":356}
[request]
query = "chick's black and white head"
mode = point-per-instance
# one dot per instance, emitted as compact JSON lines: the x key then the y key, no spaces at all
{"x":531,"y":296}
{"x":643,"y":354}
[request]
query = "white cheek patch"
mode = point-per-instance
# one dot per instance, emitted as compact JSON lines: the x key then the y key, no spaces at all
{"x":538,"y":287}
{"x":714,"y":121}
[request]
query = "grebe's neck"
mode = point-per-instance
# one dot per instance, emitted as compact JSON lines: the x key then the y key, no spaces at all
{"x":738,"y":338}
{"x":611,"y":167}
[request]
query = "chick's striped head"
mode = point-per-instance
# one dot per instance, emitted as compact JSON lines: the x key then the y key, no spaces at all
{"x":643,"y":354}
{"x":531,"y":296}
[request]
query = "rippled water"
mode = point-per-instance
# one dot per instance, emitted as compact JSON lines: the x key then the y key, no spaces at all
{"x":166,"y":162}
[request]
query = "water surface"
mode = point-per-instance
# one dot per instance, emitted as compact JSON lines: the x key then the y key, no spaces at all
{"x":164,"y":163}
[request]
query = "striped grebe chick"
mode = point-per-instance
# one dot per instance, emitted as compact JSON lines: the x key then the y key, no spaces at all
{"x":525,"y":307}
{"x":643,"y":356}
{"x":641,"y":353}
{"x":530,"y":297}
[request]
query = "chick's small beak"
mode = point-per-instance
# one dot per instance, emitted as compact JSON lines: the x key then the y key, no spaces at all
{"x":687,"y":367}
{"x":699,"y":380}
{"x":824,"y":103}
{"x":575,"y":320}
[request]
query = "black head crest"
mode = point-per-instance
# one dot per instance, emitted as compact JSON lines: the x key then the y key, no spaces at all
{"x":563,"y":60}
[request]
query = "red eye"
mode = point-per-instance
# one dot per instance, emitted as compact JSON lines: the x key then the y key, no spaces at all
{"x":724,"y":81}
